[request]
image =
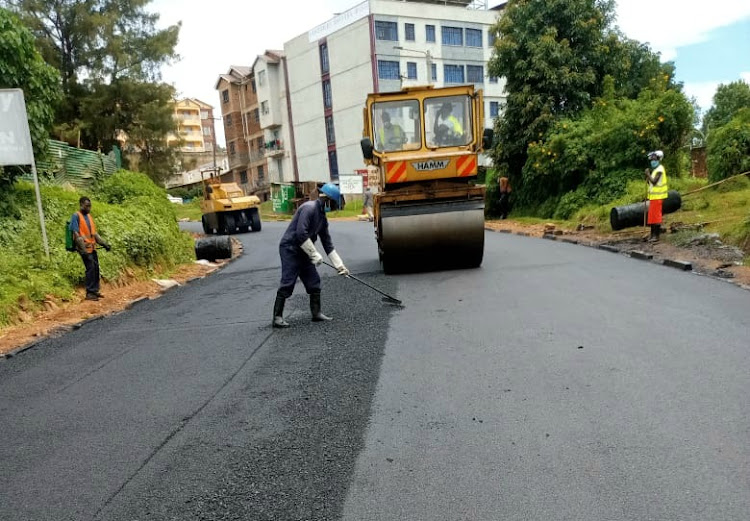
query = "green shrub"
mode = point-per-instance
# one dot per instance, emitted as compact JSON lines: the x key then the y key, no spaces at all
{"x":140,"y":226}
{"x":729,"y":148}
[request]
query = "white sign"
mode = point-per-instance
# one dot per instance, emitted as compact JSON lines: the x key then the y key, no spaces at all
{"x":339,"y":22}
{"x":426,"y":166}
{"x":15,"y":140}
{"x":351,"y":184}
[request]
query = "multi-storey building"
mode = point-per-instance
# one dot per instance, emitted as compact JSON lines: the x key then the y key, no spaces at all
{"x":380,"y":46}
{"x":311,"y":96}
{"x":195,"y":126}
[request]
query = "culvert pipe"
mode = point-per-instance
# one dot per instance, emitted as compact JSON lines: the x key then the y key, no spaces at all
{"x":212,"y":248}
{"x":621,"y":217}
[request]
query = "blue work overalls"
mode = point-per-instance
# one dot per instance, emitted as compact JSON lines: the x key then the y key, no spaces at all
{"x":309,"y":222}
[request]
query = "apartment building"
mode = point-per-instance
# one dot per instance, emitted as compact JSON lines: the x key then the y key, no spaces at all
{"x":380,"y":46}
{"x":195,"y":126}
{"x":310,"y":96}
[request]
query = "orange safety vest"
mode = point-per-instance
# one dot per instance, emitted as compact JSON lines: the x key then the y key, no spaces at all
{"x":88,"y":235}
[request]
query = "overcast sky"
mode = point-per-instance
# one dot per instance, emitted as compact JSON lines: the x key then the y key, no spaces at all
{"x":708,"y":41}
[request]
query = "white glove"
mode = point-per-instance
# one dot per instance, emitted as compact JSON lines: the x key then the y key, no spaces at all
{"x":309,"y":248}
{"x":338,"y":263}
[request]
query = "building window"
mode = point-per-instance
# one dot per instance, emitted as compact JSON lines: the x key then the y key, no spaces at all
{"x":228,"y":120}
{"x":493,"y":79}
{"x":491,"y":37}
{"x":260,"y":144}
{"x":333,"y":165}
{"x":256,"y":115}
{"x":330,"y":135}
{"x":429,"y":33}
{"x":206,"y":131}
{"x":473,"y":37}
{"x":252,"y":84}
{"x":386,"y":31}
{"x":433,"y":72}
{"x":261,"y":174}
{"x":388,"y":70}
{"x":243,"y":177}
{"x":231,"y":149}
{"x":261,"y":78}
{"x":411,"y":70}
{"x":204,"y":114}
{"x":225,"y":96}
{"x":324,"y":65}
{"x":475,"y":74}
{"x":452,"y":35}
{"x":327,"y":97}
{"x":453,"y":73}
{"x":409,"y":32}
{"x":264,"y":107}
{"x":494,"y":108}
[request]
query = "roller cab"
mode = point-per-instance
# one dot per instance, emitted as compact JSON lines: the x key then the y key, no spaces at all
{"x":425,"y":142}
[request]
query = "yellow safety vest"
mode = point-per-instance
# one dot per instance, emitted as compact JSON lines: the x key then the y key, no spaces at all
{"x":397,"y":133}
{"x":660,"y":190}
{"x":457,"y":127}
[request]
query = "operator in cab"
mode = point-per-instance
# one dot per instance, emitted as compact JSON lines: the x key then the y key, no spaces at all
{"x":299,"y":256}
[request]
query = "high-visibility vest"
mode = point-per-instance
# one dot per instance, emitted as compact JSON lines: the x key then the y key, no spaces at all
{"x":397,"y":133}
{"x":457,"y":129}
{"x":86,"y":233}
{"x":660,"y":190}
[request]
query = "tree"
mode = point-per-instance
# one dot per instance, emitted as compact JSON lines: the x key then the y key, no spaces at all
{"x":555,"y":56}
{"x":94,"y":44}
{"x":22,"y":67}
{"x":729,"y":147}
{"x":728,"y":100}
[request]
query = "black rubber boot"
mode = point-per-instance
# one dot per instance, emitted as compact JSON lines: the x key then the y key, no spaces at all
{"x":655,"y":230}
{"x":278,"y":312}
{"x":317,"y":316}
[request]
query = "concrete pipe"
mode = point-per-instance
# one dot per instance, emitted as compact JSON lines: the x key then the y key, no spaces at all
{"x":212,"y":248}
{"x":633,"y":214}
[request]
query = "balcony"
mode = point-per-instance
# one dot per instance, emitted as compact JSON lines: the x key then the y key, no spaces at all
{"x":238,"y":160}
{"x":274,"y":148}
{"x":257,"y":155}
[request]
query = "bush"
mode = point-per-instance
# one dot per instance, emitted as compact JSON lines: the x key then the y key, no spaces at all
{"x":729,"y":148}
{"x":140,"y":225}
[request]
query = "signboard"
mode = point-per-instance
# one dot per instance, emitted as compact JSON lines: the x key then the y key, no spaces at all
{"x":339,"y":22}
{"x":351,"y":184}
{"x":15,"y":140}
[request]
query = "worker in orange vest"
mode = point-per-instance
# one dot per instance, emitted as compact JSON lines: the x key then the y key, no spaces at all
{"x":85,"y":237}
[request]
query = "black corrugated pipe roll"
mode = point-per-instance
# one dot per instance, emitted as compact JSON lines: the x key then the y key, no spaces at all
{"x":212,"y":248}
{"x":632,"y":215}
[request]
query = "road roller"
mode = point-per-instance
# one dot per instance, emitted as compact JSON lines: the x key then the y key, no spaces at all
{"x":422,"y":145}
{"x":226,"y":208}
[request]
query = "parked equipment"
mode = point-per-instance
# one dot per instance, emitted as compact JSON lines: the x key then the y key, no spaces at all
{"x":226,"y":209}
{"x":429,"y":209}
{"x":212,"y":248}
{"x":621,"y":217}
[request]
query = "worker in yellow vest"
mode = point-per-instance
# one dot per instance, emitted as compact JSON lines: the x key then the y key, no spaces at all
{"x":392,"y":137}
{"x":85,"y":237}
{"x":658,"y":190}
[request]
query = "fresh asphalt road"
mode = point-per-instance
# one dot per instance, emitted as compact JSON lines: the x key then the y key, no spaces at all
{"x":556,"y":382}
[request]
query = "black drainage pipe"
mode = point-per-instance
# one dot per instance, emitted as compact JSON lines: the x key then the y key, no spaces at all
{"x":632,"y":215}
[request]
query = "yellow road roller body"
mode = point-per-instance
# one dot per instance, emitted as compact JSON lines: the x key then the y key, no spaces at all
{"x":425,"y":143}
{"x":226,"y":209}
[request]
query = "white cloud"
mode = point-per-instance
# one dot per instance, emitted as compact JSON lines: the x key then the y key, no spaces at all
{"x":745,"y":76}
{"x":703,"y":92}
{"x":669,"y":24}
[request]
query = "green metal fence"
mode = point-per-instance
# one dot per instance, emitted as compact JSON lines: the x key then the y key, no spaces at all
{"x":78,"y":167}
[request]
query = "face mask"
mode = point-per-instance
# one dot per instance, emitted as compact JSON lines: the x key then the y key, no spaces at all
{"x":654,"y":164}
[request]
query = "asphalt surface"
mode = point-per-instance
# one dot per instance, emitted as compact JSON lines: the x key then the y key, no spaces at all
{"x":555,"y":382}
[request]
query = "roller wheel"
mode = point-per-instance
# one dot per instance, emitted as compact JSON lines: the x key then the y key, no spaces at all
{"x":255,"y":220}
{"x":229,"y":224}
{"x":206,"y":228}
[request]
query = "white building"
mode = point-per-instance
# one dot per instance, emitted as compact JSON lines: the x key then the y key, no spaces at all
{"x":319,"y":87}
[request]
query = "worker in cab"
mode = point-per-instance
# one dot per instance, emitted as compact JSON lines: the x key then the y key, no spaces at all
{"x":448,"y":129}
{"x":392,"y":137}
{"x":658,"y":190}
{"x":299,"y":256}
{"x":86,"y":238}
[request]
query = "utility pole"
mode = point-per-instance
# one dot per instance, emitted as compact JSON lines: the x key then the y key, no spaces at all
{"x":428,"y":60}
